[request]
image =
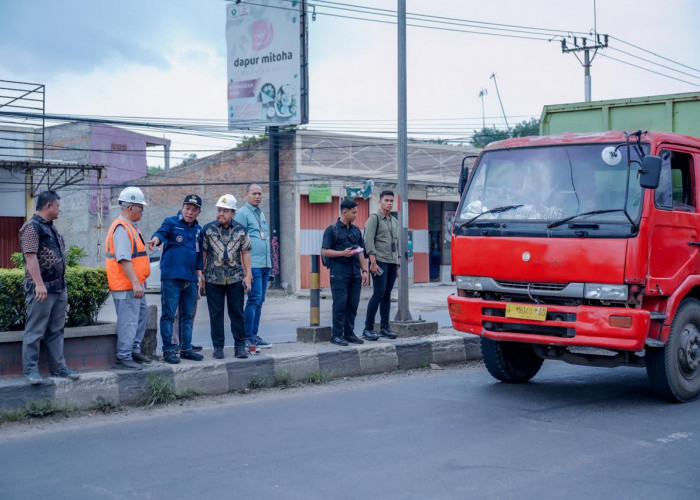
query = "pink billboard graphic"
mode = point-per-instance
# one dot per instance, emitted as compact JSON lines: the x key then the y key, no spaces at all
{"x":243,"y":88}
{"x":263,"y":34}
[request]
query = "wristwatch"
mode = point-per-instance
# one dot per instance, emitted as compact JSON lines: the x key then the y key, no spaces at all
{"x":364,"y":270}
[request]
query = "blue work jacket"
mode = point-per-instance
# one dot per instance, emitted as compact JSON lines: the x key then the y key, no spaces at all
{"x":182,"y":249}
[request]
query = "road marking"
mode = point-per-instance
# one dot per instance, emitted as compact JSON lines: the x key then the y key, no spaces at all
{"x":676,"y":436}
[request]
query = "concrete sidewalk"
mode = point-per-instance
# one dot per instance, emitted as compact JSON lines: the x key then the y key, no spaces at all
{"x":283,"y":362}
{"x":286,"y":360}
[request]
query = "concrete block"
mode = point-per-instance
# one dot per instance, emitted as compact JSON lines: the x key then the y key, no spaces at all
{"x":448,"y":350}
{"x":242,"y":371}
{"x":85,"y":392}
{"x":343,"y":362}
{"x":413,"y":353}
{"x":16,"y":392}
{"x":133,"y":385}
{"x":378,"y":357}
{"x":150,"y":340}
{"x":313,"y":334}
{"x":204,"y":377}
{"x":472,"y":346}
{"x":415,"y":328}
{"x":297,"y":366}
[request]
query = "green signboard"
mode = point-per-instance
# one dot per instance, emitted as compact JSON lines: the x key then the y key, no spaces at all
{"x":320,"y":193}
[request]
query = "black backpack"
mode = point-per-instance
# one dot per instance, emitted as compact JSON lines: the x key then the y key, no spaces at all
{"x":326,"y":261}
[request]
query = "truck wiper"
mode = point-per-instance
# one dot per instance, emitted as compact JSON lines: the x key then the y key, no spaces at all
{"x":592,"y":212}
{"x":492,"y":211}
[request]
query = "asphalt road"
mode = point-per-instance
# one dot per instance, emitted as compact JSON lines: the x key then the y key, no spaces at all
{"x":572,"y":433}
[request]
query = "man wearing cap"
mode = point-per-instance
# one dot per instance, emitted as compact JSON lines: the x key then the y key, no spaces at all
{"x":128,"y":266}
{"x":181,"y":276}
{"x":227,"y":274}
{"x":252,"y":218}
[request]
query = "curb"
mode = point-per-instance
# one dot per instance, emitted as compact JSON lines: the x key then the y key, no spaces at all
{"x":211,"y":376}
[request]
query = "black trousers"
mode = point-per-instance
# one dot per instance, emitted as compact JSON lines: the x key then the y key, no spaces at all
{"x":381,"y":298}
{"x":232,"y":294}
{"x":346,"y":298}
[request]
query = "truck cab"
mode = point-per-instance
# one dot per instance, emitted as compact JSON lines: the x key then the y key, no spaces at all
{"x":563,"y":249}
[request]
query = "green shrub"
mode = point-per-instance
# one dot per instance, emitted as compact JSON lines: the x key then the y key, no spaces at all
{"x":87,"y":291}
{"x":74,"y":255}
{"x":158,"y":391}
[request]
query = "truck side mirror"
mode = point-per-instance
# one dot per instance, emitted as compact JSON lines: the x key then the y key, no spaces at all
{"x":650,"y":172}
{"x":463,"y":177}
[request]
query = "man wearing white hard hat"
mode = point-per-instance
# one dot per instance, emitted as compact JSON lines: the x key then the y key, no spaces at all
{"x":227,"y":274}
{"x":128,"y":266}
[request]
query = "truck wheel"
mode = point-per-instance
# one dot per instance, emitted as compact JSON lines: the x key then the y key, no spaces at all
{"x":510,"y":362}
{"x":674,"y":370}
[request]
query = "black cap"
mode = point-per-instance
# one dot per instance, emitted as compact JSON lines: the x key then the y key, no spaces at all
{"x":193,"y":199}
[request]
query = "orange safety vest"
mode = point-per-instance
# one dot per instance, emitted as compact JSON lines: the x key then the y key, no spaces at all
{"x":116,"y":277}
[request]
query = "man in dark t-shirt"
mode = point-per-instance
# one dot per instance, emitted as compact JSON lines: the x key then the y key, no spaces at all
{"x":344,"y":247}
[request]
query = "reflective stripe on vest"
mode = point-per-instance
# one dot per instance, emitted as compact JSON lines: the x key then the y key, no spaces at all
{"x":116,"y":277}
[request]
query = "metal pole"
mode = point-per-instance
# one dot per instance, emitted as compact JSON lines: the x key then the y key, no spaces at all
{"x":315,"y":294}
{"x":274,"y":162}
{"x":403,"y":313}
{"x":587,"y":75}
{"x":493,"y":77}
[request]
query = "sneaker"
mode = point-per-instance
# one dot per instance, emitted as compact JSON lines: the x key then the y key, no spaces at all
{"x":251,"y":343}
{"x":66,"y":373}
{"x":127,"y":364}
{"x":369,"y":335}
{"x":34,"y":378}
{"x":385,"y":332}
{"x":219,"y":353}
{"x":339,"y":341}
{"x":140,"y":358}
{"x":354,"y":339}
{"x":171,"y":357}
{"x":241,"y":351}
{"x":191,"y":355}
{"x":261,"y":343}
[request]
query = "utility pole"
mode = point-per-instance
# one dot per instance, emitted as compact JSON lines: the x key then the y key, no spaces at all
{"x":493,"y":77}
{"x":402,"y":314}
{"x":482,"y":93}
{"x":586,"y":47}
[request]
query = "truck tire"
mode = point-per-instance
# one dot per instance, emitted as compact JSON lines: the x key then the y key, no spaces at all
{"x":510,"y":362}
{"x":674,"y":369}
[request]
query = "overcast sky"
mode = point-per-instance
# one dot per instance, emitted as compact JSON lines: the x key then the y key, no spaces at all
{"x":167,"y":59}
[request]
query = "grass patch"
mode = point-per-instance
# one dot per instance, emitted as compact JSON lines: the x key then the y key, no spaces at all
{"x":284,"y":379}
{"x":158,"y":391}
{"x":318,"y":377}
{"x":189,"y":394}
{"x":257,"y":382}
{"x":424,"y":364}
{"x":105,"y":406}
{"x":36,"y":409}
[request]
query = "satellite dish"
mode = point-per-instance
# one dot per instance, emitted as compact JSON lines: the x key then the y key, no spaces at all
{"x":611,"y":156}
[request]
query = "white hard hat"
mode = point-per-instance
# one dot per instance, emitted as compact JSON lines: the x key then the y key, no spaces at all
{"x":227,"y":201}
{"x":132,"y":194}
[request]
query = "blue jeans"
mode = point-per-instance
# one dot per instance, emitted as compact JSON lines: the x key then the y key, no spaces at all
{"x":182,"y":295}
{"x":256,"y":297}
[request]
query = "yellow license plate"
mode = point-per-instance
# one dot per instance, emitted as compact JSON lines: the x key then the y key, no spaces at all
{"x":522,"y":311}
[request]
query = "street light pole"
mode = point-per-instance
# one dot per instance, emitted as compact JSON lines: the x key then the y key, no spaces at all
{"x":403,"y":313}
{"x":482,"y":93}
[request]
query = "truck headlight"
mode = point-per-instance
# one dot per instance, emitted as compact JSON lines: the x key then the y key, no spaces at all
{"x":470,"y":283}
{"x":602,"y":291}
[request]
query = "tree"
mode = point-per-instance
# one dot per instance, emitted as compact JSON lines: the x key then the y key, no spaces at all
{"x":487,"y":135}
{"x":187,"y":159}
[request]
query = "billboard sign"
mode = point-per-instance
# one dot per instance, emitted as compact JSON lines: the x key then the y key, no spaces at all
{"x":267,"y":79}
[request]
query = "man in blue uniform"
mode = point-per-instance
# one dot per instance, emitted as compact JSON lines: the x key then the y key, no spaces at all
{"x":344,"y":247}
{"x":181,"y":276}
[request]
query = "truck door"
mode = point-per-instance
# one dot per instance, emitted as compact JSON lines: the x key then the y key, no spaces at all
{"x":675,"y":223}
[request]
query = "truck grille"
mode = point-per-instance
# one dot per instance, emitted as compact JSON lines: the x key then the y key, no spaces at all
{"x":539,"y":287}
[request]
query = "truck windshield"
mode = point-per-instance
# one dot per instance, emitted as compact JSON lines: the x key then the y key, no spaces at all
{"x":550,"y":183}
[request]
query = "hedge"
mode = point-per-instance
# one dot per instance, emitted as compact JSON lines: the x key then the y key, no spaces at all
{"x":87,"y":291}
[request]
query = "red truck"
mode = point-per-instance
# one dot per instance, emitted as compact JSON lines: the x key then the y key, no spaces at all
{"x":583,"y":247}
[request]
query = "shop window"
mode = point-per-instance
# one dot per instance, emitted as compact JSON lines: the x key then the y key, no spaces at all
{"x":675,"y":191}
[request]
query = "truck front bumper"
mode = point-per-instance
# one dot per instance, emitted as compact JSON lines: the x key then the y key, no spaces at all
{"x":564,"y":326}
